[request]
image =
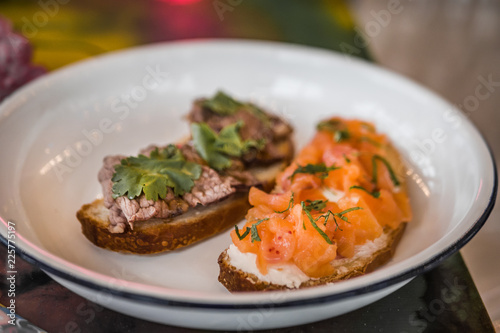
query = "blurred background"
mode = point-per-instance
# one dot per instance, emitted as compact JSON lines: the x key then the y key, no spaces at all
{"x":450,"y":46}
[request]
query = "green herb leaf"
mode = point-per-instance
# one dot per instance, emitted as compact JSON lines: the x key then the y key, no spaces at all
{"x":375,"y":194}
{"x":257,"y":112}
{"x":217,"y":149}
{"x":336,"y":127}
{"x":327,"y":216}
{"x":370,"y":140}
{"x":342,"y":135}
{"x":347,"y":159}
{"x":252,"y":230}
{"x":222,"y":104}
{"x":332,"y":125}
{"x":315,"y":205}
{"x":394,"y":179}
{"x":225,"y":105}
{"x":368,"y":127}
{"x":313,"y":222}
{"x":290,"y":204}
{"x":237,"y":230}
{"x":152,"y":175}
{"x":321,"y":168}
{"x":341,"y":214}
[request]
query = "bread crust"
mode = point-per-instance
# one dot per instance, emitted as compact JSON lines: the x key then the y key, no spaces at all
{"x":236,"y":280}
{"x":159,"y":235}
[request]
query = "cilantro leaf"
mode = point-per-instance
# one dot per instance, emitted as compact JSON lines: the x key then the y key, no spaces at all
{"x":217,"y":149}
{"x":225,"y":105}
{"x":152,"y":175}
{"x":257,"y":112}
{"x":321,"y":168}
{"x":222,"y":104}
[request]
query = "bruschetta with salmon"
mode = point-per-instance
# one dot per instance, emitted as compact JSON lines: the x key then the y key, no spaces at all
{"x":337,"y":211}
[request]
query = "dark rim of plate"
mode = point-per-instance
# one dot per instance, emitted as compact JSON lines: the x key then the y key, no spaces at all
{"x":412,"y":272}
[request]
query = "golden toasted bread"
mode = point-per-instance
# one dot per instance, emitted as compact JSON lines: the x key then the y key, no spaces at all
{"x":367,"y":258}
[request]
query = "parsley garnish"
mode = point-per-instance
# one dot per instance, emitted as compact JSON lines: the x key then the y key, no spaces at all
{"x":152,"y":175}
{"x":222,"y":104}
{"x":374,"y":194}
{"x":336,"y":127}
{"x":387,"y":165}
{"x":252,"y":230}
{"x":217,"y":149}
{"x":347,"y":159}
{"x":290,"y":203}
{"x":321,"y":168}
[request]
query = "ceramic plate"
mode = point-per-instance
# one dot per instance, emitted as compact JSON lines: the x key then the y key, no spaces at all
{"x":56,"y":131}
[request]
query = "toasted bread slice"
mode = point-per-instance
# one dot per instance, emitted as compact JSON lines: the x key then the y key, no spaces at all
{"x":159,"y":235}
{"x":367,"y":258}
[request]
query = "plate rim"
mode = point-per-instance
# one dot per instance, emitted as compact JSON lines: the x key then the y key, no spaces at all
{"x":411,"y":272}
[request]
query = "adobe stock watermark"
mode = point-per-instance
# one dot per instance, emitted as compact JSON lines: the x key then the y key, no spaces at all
{"x":483,"y":90}
{"x":450,"y":297}
{"x":49,"y":9}
{"x":89,"y":309}
{"x":255,"y":319}
{"x":380,"y":20}
{"x":223,"y":6}
{"x":73,"y":155}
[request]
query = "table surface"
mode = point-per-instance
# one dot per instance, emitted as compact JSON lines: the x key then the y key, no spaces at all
{"x":410,"y":41}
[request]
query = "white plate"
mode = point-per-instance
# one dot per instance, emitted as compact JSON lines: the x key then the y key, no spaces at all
{"x":56,"y":130}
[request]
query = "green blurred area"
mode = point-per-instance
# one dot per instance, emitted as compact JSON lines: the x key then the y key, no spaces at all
{"x":64,"y":31}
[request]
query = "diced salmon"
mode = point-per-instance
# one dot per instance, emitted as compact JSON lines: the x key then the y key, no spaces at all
{"x":345,"y":237}
{"x":278,"y":242}
{"x":287,"y":234}
{"x":312,"y":252}
{"x":384,"y":208}
{"x":366,"y":226}
{"x":277,"y":202}
{"x":403,"y":202}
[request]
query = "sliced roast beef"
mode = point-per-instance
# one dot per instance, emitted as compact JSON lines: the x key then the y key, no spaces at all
{"x":209,"y":188}
{"x":257,"y":126}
